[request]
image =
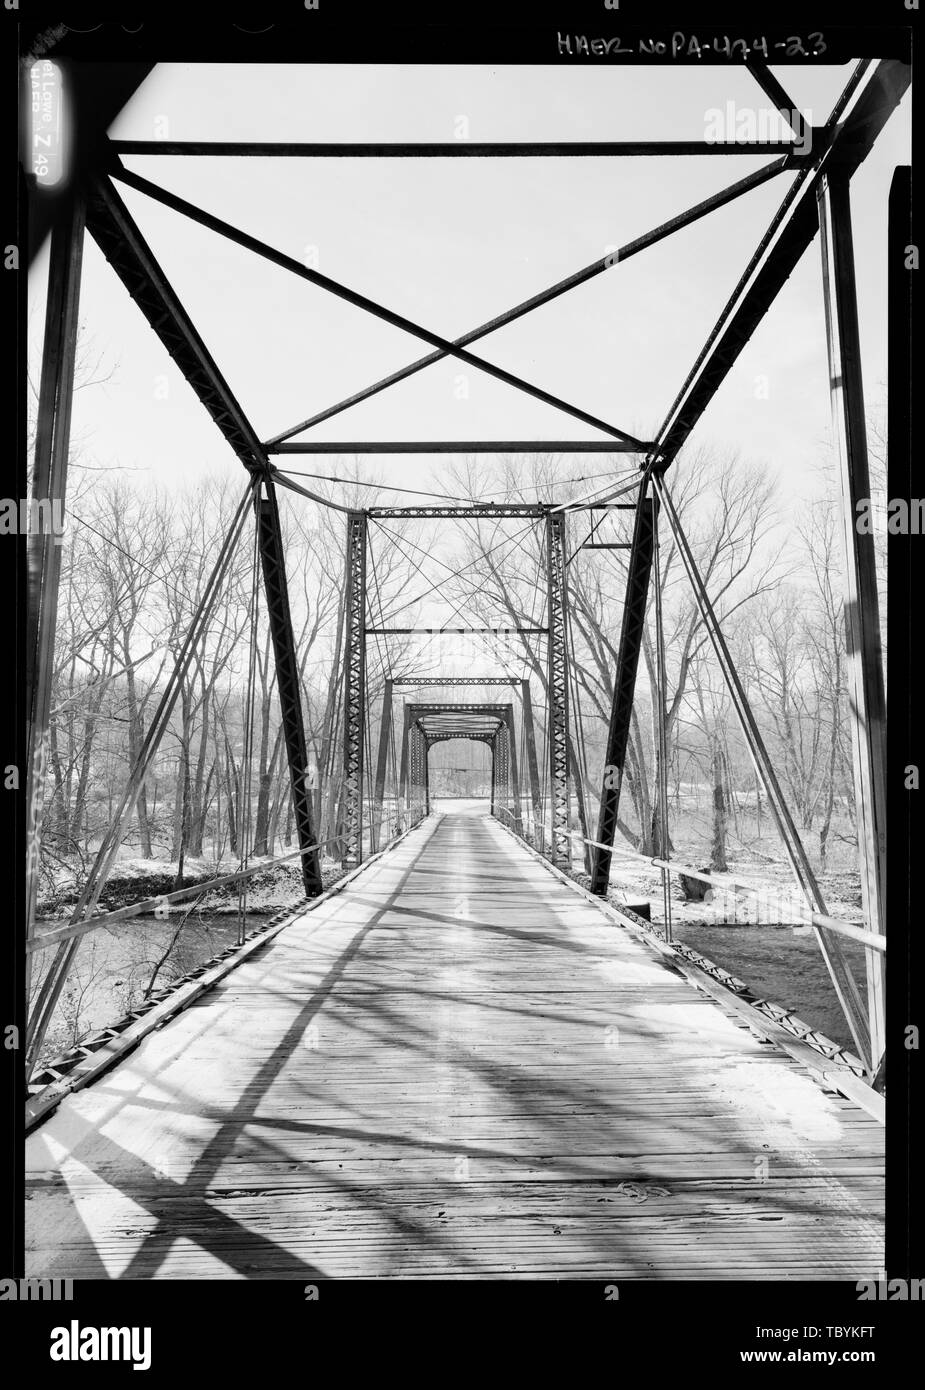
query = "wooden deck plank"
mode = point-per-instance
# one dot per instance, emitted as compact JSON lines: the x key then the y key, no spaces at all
{"x":458,"y":1067}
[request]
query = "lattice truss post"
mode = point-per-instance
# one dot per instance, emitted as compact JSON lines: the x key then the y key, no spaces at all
{"x":513,"y":772}
{"x":504,"y":771}
{"x":414,"y":769}
{"x":495,"y":774}
{"x":354,"y":688}
{"x":503,"y":746}
{"x":489,"y":742}
{"x":560,"y":848}
{"x":417,"y":771}
{"x":404,"y":785}
{"x":533,"y":770}
{"x":288,"y":683}
{"x":385,"y":734}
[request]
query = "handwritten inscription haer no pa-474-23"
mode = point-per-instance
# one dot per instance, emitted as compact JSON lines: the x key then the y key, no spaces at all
{"x":680,"y":45}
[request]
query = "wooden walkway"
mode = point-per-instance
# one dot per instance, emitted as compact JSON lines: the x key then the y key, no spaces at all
{"x":458,"y":1067}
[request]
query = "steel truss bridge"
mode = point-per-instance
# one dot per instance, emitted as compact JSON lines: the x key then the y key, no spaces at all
{"x":467,"y":1055}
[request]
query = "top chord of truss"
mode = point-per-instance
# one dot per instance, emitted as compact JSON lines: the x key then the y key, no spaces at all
{"x":454,"y":149}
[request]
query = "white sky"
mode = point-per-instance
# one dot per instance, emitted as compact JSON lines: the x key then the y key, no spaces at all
{"x":451,"y":243}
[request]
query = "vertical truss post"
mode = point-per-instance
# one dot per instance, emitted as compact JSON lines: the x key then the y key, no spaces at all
{"x":404,"y":785}
{"x":326,"y":794}
{"x":272,"y":560}
{"x":423,"y":800}
{"x":862,"y":618}
{"x":557,"y":648}
{"x":503,"y":789}
{"x":417,"y":763}
{"x":413,"y":770}
{"x":517,"y":806}
{"x":425,"y":754}
{"x":354,"y":687}
{"x":661,"y":707}
{"x":493,"y":748}
{"x":385,"y":733}
{"x":904,"y":727}
{"x":533,"y":771}
{"x":504,"y":772}
{"x":624,"y":687}
{"x":843,"y":981}
{"x":484,"y":738}
{"x":49,"y":489}
{"x":580,"y":800}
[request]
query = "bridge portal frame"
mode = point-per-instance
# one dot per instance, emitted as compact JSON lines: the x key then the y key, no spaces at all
{"x":817,"y":199}
{"x":448,"y":682}
{"x":484,"y":723}
{"x":560,"y":765}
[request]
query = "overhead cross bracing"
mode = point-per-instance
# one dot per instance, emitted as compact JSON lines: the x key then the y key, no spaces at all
{"x":362,"y":790}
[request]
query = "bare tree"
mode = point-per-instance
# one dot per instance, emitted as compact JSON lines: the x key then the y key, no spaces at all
{"x":729,"y":513}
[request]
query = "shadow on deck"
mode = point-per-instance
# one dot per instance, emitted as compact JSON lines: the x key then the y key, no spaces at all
{"x":458,"y":1067}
